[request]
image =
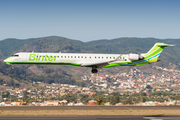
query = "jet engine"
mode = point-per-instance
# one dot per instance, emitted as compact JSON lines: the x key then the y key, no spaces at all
{"x":135,"y":57}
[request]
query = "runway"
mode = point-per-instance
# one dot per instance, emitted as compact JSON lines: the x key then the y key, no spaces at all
{"x":69,"y":112}
{"x":91,"y":108}
{"x":89,"y":118}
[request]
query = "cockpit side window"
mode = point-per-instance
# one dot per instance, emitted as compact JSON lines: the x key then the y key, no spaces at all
{"x":15,"y":55}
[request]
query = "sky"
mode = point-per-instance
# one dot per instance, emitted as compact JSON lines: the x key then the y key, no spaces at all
{"x":88,"y":20}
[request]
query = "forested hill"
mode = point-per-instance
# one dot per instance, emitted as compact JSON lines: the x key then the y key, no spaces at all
{"x":118,"y":45}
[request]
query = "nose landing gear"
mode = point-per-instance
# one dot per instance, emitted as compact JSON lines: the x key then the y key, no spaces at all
{"x":12,"y":67}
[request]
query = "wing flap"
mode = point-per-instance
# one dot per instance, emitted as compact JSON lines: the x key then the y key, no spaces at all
{"x":94,"y":64}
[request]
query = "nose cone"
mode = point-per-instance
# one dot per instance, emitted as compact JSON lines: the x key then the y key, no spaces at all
{"x":8,"y":60}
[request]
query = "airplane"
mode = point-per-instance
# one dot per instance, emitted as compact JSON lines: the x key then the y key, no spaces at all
{"x":94,"y":61}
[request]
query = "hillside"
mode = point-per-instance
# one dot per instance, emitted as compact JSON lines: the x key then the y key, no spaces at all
{"x":61,"y":74}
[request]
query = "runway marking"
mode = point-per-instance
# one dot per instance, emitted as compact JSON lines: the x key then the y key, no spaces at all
{"x":162,"y":118}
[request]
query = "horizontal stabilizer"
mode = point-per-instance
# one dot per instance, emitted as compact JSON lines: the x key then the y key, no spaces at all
{"x":167,"y":45}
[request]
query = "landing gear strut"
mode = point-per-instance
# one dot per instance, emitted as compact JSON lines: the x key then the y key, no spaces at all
{"x":12,"y":67}
{"x":94,"y":70}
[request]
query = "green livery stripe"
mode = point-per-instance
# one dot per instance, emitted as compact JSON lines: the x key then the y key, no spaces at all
{"x":9,"y":58}
{"x":116,"y":64}
{"x":47,"y":63}
{"x":160,"y":49}
{"x":155,"y":49}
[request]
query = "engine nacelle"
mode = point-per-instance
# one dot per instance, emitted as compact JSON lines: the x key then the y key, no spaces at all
{"x":135,"y":57}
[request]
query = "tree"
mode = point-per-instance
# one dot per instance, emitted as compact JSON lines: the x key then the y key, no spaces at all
{"x":1,"y":81}
{"x":99,"y":100}
{"x":148,"y":87}
{"x":114,"y":100}
{"x":6,"y":94}
{"x":25,"y":95}
{"x":11,"y":82}
{"x":143,"y":94}
{"x":143,"y":99}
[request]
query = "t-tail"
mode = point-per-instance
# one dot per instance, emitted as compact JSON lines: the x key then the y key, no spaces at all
{"x":153,"y":54}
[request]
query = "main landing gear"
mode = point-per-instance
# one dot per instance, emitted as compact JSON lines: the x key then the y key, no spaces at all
{"x":94,"y":70}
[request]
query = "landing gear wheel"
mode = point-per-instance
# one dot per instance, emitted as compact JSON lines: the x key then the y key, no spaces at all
{"x":94,"y":70}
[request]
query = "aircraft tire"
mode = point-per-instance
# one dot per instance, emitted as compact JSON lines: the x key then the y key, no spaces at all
{"x":94,"y":70}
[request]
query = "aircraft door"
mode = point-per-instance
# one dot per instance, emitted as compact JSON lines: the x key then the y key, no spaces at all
{"x":20,"y":57}
{"x":24,"y":59}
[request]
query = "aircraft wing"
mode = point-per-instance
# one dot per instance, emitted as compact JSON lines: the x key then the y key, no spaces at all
{"x":94,"y":64}
{"x":99,"y":64}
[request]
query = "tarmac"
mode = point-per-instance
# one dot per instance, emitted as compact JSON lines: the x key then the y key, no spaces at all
{"x":89,"y":117}
{"x":90,"y":108}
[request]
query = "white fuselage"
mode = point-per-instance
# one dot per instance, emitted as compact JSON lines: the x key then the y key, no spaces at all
{"x":66,"y":57}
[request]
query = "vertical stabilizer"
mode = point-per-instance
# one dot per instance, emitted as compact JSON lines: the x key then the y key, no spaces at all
{"x":153,"y":54}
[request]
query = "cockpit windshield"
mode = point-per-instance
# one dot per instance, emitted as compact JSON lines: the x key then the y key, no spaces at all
{"x":15,"y":55}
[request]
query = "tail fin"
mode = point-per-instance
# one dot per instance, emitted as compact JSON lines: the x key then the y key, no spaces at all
{"x":153,"y":54}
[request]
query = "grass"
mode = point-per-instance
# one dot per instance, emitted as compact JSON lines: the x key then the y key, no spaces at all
{"x":90,"y":112}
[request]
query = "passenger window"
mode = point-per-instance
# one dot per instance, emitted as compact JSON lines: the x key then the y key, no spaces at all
{"x":64,"y":56}
{"x":110,"y":57}
{"x":106,"y":57}
{"x":90,"y":57}
{"x":81,"y":56}
{"x":61,"y":56}
{"x":74,"y":56}
{"x":95,"y":57}
{"x":102,"y":57}
{"x":78,"y":56}
{"x":113,"y":57}
{"x":71,"y":56}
